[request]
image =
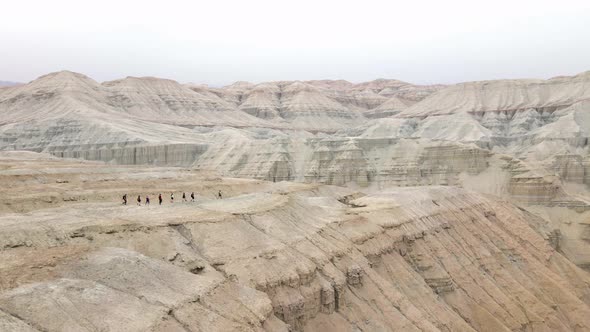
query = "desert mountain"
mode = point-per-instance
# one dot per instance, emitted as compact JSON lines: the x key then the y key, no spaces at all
{"x":387,"y":108}
{"x":523,"y":140}
{"x":505,"y":96}
{"x":372,"y":206}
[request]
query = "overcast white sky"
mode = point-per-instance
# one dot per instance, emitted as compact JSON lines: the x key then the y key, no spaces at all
{"x":222,"y":41}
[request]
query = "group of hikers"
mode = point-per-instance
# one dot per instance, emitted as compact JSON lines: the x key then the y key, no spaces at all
{"x":160,"y":199}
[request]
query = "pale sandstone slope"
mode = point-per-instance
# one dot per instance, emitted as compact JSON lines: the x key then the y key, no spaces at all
{"x":272,"y":257}
{"x":321,"y":105}
{"x":389,"y":107}
{"x":504,"y":95}
{"x":53,"y":96}
{"x":305,"y":107}
{"x":71,"y":115}
{"x":297,"y":105}
{"x":166,"y":101}
{"x":399,"y":89}
{"x":378,"y":98}
{"x":525,"y":140}
{"x":263,"y":101}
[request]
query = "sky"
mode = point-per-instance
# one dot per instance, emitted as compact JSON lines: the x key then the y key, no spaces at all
{"x":218,"y":42}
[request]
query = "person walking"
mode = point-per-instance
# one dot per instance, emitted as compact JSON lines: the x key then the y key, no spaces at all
{"x":125,"y":199}
{"x":184,"y":197}
{"x":219,"y":195}
{"x":138,"y":199}
{"x":171,"y":197}
{"x":192,"y":196}
{"x":147,"y":200}
{"x":160,"y":198}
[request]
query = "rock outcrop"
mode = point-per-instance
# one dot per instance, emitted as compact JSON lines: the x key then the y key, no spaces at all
{"x":269,"y":256}
{"x":523,"y":140}
{"x":508,"y":96}
{"x":391,"y":106}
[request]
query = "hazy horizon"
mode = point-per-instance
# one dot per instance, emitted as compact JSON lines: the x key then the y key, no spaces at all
{"x":218,"y":43}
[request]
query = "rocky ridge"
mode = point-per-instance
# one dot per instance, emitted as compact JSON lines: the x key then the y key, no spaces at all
{"x":269,"y":256}
{"x":523,"y":140}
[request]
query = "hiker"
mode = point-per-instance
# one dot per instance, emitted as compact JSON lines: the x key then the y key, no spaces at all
{"x":138,"y":199}
{"x":192,"y":196}
{"x":147,"y":200}
{"x":160,"y":198}
{"x":184,"y":196}
{"x":171,"y":197}
{"x":219,"y":195}
{"x":125,"y":199}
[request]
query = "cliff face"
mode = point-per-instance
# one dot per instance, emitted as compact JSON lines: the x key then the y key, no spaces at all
{"x":269,"y":256}
{"x":71,"y":115}
{"x":524,"y":140}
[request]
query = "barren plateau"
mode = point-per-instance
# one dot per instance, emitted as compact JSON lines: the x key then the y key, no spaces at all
{"x":376,"y":206}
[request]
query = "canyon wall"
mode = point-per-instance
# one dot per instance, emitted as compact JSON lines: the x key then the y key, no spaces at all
{"x":523,"y":140}
{"x":270,"y":256}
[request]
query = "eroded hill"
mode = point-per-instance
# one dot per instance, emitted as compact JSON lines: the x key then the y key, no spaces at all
{"x":269,"y":256}
{"x":523,"y":140}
